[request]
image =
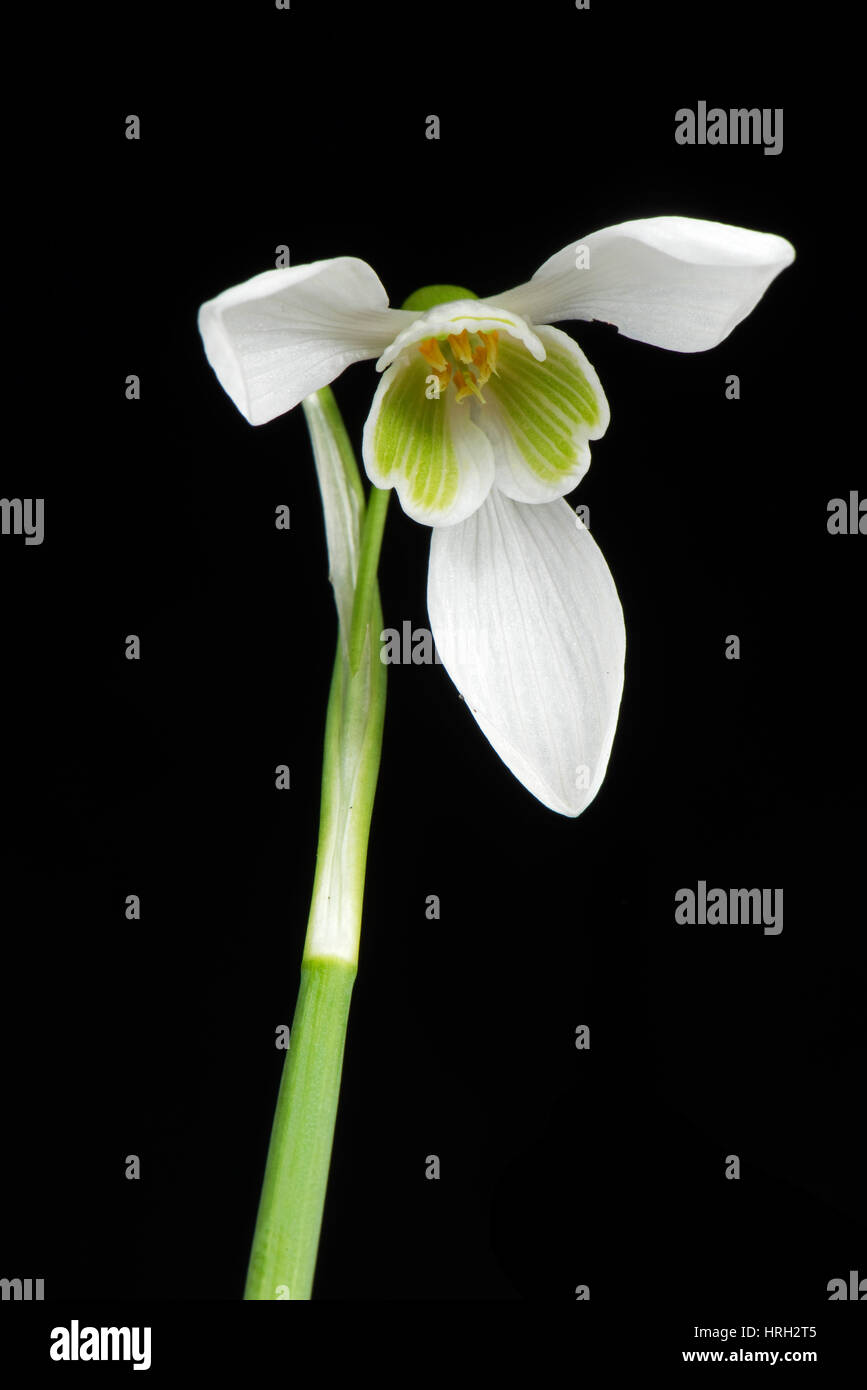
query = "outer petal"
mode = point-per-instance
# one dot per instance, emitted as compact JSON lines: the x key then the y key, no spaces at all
{"x":675,"y":282}
{"x":286,"y":333}
{"x":527,"y":621}
{"x":429,"y":450}
{"x":539,"y":417}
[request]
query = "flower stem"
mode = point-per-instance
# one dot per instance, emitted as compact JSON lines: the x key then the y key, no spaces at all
{"x":286,"y":1242}
{"x":371,"y":544}
{"x":286,"y":1239}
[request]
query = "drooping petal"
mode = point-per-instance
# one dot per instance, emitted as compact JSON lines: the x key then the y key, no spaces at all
{"x":539,"y":417}
{"x":427,"y":448}
{"x":676,"y":282}
{"x":285,"y":333}
{"x":526,"y":619}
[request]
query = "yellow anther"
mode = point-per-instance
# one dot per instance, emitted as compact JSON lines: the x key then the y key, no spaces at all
{"x":467,"y":386}
{"x":460,"y":346}
{"x":491,"y":343}
{"x":430,"y":351}
{"x":480,"y":360}
{"x":478,"y":350}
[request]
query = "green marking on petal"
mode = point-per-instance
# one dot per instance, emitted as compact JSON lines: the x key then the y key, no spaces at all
{"x":548,"y":407}
{"x":412,"y":443}
{"x":481,"y":318}
{"x":430,"y":295}
{"x":565,"y":373}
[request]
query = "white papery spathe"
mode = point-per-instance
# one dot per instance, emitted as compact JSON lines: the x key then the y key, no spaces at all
{"x":526,"y":619}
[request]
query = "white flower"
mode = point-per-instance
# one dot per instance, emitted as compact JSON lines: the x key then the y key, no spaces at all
{"x":481,"y":422}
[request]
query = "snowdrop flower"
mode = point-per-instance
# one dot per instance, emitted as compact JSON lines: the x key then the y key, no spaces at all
{"x":482,"y":422}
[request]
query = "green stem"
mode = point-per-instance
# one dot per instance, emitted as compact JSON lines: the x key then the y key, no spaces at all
{"x":371,"y":544}
{"x":285,"y":1242}
{"x":283,"y":1261}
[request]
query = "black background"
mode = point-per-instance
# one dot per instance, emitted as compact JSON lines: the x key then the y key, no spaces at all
{"x":156,"y":777}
